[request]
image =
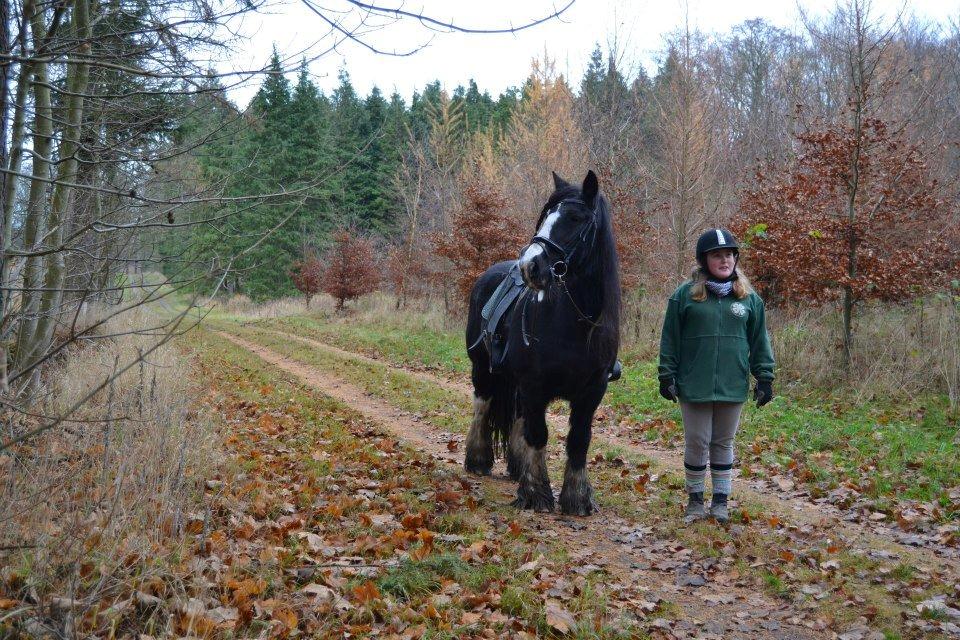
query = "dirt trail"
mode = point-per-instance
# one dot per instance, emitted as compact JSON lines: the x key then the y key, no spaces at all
{"x":767,"y":494}
{"x":713,"y":605}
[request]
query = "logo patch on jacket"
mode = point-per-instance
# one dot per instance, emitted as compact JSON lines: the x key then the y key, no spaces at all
{"x":738,"y":309}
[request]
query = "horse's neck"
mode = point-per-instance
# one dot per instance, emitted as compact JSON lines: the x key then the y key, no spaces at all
{"x":587,"y":293}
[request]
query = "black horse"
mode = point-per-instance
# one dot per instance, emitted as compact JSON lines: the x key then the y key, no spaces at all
{"x":561,"y":339}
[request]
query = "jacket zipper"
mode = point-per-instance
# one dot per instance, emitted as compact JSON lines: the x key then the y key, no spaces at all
{"x":716,"y":365}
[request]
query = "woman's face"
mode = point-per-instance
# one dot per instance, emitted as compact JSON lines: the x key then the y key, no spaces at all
{"x":721,"y":263}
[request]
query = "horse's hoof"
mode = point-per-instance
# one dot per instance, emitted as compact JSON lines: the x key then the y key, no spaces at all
{"x":578,"y":508}
{"x":479,"y":463}
{"x":478,"y":467}
{"x":478,"y":470}
{"x":577,"y":503}
{"x":540,"y":501}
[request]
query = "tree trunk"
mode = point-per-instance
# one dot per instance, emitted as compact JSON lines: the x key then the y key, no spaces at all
{"x":12,"y":163}
{"x":847,"y":327}
{"x":34,"y":221}
{"x":77,"y":76}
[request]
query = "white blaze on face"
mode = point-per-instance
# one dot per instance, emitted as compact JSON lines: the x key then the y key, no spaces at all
{"x":535,"y":249}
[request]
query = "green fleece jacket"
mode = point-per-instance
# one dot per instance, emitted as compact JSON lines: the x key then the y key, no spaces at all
{"x":710,"y":347}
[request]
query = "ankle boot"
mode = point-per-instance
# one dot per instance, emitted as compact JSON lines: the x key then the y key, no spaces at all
{"x":718,"y":508}
{"x":695,"y":509}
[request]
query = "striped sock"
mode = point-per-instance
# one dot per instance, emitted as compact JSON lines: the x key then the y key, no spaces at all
{"x":721,"y":475}
{"x":695,"y":477}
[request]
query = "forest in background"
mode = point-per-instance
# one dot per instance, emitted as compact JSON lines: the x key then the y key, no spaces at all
{"x":726,"y":121}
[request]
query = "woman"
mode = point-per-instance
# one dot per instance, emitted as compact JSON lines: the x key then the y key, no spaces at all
{"x":714,"y":336}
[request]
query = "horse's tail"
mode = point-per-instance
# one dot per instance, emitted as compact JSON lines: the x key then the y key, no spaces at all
{"x":503,"y":407}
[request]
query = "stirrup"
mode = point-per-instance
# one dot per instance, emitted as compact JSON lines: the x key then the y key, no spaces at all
{"x":615,"y":372}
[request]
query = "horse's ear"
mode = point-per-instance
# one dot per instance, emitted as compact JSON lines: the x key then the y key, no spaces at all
{"x":591,"y":187}
{"x":558,"y":182}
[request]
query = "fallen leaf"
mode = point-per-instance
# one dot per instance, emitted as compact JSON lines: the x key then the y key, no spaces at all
{"x":366,"y":592}
{"x":319,"y":591}
{"x":558,"y":617}
{"x":470,"y":617}
{"x":286,"y":617}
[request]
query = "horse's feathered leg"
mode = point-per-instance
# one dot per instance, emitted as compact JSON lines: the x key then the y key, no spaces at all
{"x":516,"y":449}
{"x":479,"y":458}
{"x":479,"y":444}
{"x":576,"y":496}
{"x":534,"y":490}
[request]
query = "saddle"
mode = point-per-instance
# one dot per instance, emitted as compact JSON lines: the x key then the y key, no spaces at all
{"x":492,"y":314}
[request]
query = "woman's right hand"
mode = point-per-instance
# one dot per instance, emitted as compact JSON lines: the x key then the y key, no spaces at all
{"x":668,"y":389}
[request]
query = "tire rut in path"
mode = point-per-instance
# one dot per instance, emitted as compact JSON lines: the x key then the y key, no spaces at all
{"x":750,"y":615}
{"x":772,"y":499}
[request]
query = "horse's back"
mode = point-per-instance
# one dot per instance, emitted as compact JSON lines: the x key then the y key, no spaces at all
{"x":490,"y":280}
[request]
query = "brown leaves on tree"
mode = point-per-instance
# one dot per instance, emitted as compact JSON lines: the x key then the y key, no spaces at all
{"x":856,"y":210}
{"x":351,"y":268}
{"x":307,"y":275}
{"x":483,"y":233}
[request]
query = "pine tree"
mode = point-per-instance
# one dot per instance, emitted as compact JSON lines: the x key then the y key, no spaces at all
{"x":592,"y":84}
{"x":377,"y":166}
{"x":348,"y":125}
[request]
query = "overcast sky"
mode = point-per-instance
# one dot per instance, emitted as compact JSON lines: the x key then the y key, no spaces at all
{"x":499,"y":61}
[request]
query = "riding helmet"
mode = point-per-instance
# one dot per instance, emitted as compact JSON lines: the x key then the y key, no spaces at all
{"x":715,"y":239}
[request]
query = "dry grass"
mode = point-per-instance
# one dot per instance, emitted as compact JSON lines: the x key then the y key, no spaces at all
{"x":87,"y":509}
{"x":368,"y":308}
{"x":241,"y":305}
{"x":899,"y":351}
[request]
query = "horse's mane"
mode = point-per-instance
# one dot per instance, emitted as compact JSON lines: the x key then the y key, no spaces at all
{"x":609,"y":264}
{"x":606,"y":337}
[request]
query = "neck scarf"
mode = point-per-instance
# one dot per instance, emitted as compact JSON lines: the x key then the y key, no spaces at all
{"x":720,"y":288}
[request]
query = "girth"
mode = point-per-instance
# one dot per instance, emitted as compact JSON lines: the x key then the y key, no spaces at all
{"x":492,"y":314}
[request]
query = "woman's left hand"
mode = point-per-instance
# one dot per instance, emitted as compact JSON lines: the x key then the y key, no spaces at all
{"x":763,"y":392}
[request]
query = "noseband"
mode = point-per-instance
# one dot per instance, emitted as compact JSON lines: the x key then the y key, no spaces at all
{"x":586,"y":238}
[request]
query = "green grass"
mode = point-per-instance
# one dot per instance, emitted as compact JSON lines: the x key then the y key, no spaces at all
{"x":887,"y":449}
{"x":406,"y":345}
{"x":411,"y":579}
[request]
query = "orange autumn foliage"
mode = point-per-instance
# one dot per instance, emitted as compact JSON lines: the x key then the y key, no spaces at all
{"x":810,"y":239}
{"x":483,"y":233}
{"x":351,"y":268}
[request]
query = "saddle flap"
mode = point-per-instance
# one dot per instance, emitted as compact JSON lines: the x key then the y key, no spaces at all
{"x":503,"y":297}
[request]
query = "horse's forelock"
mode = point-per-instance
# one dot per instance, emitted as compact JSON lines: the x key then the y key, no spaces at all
{"x":559,"y":195}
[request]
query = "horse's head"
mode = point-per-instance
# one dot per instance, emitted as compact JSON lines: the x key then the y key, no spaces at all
{"x":566,"y":233}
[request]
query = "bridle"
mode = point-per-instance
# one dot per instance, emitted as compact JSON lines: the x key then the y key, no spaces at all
{"x":586,"y":238}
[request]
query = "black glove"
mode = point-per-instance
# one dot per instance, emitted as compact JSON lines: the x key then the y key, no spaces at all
{"x":668,"y":389}
{"x":763,"y":392}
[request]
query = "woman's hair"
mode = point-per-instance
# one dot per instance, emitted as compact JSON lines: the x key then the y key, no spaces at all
{"x":698,"y":292}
